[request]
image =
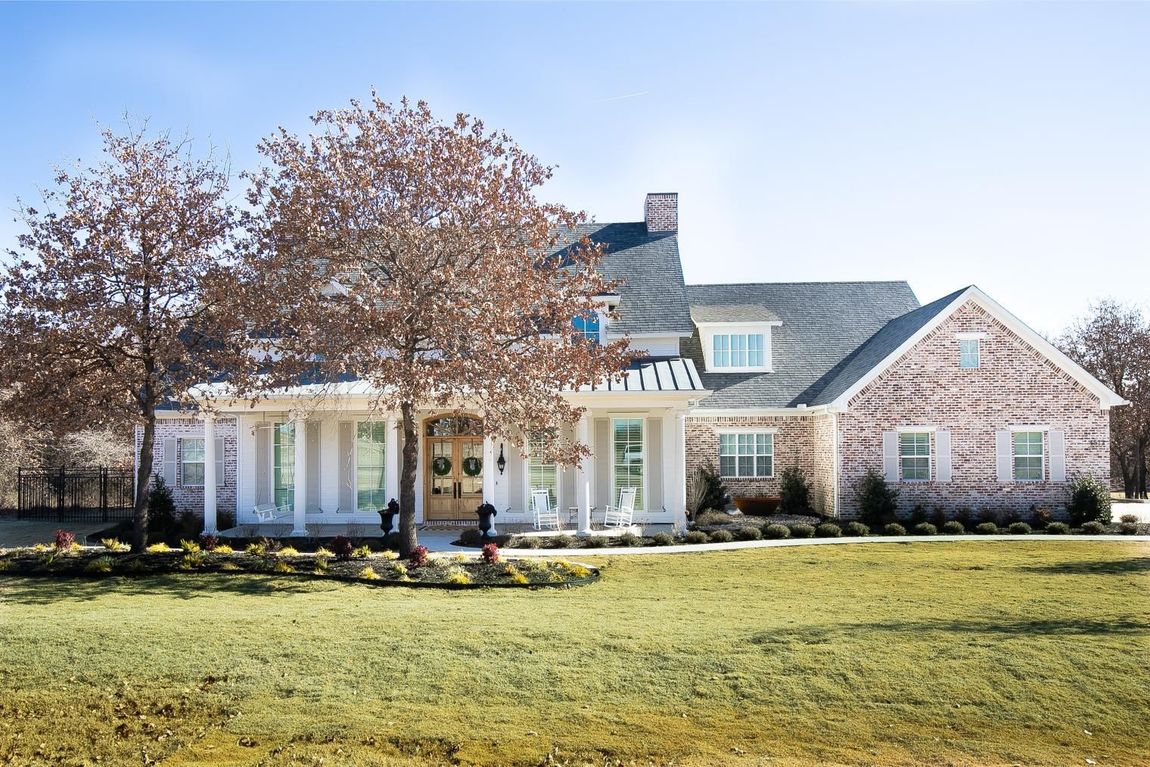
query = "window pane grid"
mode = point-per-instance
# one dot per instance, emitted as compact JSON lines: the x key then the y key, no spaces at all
{"x":283,"y":465}
{"x":628,"y":458}
{"x":738,"y":350}
{"x":1028,"y":455}
{"x":914,"y":456}
{"x":968,"y":353}
{"x":370,"y":465}
{"x":541,"y":474}
{"x":746,"y":455}
{"x":191,"y":462}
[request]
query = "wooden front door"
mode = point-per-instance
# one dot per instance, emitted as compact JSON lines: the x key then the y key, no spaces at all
{"x":454,"y":470}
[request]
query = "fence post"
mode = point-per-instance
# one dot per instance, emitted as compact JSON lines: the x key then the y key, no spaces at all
{"x":104,"y":493}
{"x":60,"y":496}
{"x":19,"y":492}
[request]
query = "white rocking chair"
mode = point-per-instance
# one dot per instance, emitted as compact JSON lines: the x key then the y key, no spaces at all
{"x":269,"y":512}
{"x":544,"y":516}
{"x":621,"y":515}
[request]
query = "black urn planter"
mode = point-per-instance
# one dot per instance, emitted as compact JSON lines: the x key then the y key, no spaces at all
{"x":387,"y":516}
{"x":486,"y":512}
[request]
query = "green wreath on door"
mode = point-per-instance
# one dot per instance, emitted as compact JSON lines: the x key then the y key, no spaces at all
{"x":472,"y":466}
{"x":441,"y":466}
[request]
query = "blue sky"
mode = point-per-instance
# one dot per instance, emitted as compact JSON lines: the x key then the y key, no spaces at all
{"x":1001,"y":144}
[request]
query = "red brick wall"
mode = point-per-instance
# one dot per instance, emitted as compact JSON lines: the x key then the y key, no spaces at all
{"x":1015,"y":385}
{"x":661,"y":212}
{"x":192,"y":498}
{"x":794,"y":444}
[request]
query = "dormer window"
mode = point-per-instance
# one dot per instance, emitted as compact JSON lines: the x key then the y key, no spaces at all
{"x":736,"y":347}
{"x":590,"y":326}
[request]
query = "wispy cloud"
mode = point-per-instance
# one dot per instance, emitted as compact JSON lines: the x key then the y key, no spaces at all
{"x":634,"y":95}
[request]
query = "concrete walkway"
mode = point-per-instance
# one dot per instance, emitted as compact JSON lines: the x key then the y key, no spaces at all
{"x":440,"y":542}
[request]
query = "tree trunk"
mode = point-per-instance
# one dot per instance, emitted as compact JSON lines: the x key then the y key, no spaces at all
{"x":407,"y":536}
{"x":1140,"y":467}
{"x":143,"y":480}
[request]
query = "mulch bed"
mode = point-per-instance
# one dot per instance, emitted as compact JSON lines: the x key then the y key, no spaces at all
{"x":458,"y":572}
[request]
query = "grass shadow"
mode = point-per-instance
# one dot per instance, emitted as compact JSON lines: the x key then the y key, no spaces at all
{"x":1100,"y":567}
{"x":44,"y":590}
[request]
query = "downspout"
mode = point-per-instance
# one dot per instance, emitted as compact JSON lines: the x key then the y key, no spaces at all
{"x":835,"y":460}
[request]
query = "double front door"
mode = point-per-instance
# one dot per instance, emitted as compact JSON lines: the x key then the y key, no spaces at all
{"x":454,"y":477}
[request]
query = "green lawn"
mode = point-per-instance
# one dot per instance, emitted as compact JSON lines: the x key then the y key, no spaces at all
{"x":974,"y":653}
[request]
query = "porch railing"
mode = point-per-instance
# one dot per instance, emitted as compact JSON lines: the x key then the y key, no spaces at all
{"x":68,"y":494}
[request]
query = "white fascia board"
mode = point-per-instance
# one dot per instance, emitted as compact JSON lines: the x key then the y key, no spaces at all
{"x":1106,"y":397}
{"x":751,"y":412}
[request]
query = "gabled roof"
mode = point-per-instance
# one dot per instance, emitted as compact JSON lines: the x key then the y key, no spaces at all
{"x":652,"y":296}
{"x":822,"y":323}
{"x":878,"y":347}
{"x":903,"y":333}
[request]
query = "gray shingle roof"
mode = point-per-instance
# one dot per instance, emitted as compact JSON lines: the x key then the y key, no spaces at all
{"x":733,"y":313}
{"x":652,"y":298}
{"x":875,"y":350}
{"x":823,"y":324}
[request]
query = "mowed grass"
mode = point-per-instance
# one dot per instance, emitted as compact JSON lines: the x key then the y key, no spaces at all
{"x":971,"y":653}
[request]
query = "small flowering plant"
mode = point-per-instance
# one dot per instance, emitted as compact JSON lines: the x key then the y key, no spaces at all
{"x":64,"y":540}
{"x":342,"y":548}
{"x":418,"y":556}
{"x":490,"y":553}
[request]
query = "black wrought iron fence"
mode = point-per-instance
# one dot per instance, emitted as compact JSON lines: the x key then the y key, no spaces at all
{"x":68,"y":494}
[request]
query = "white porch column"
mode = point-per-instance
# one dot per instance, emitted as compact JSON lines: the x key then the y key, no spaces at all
{"x":391,"y":459}
{"x":489,"y":470}
{"x":584,"y":477}
{"x":667,"y":448}
{"x":210,"y":475}
{"x":299,"y":515}
{"x":680,"y":489}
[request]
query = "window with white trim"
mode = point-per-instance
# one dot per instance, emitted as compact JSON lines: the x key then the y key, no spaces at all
{"x":914,"y":456}
{"x":968,"y":353}
{"x":370,"y":465}
{"x":542,"y":474}
{"x":750,"y":454}
{"x":737,"y":350}
{"x":589,"y":326}
{"x":628,"y":458}
{"x":192,"y":462}
{"x":283,"y":465}
{"x":1028,"y":452}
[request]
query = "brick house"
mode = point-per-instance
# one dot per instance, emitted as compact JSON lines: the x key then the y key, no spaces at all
{"x":957,"y":402}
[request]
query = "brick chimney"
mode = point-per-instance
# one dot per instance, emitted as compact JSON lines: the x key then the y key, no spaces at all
{"x":661,"y":212}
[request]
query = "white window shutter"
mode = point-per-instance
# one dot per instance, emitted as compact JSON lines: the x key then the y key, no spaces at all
{"x":1057,"y":455}
{"x":170,"y":462}
{"x":346,"y":467}
{"x":263,"y":463}
{"x":1003,"y":454}
{"x":890,"y":455}
{"x":219,"y":461}
{"x":942,"y":455}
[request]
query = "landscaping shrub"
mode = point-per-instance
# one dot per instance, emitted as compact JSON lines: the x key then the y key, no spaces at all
{"x":490,"y":553}
{"x":161,"y":508}
{"x":828,"y":530}
{"x":64,"y":540}
{"x":1057,"y":528}
{"x":528,"y":542}
{"x":705,"y":490}
{"x":1040,"y":516}
{"x":988,"y":515}
{"x":113,"y":544}
{"x":709,"y":518}
{"x":794,"y":491}
{"x":562,"y":542}
{"x":342,"y":548}
{"x":749,"y":534}
{"x":953,"y":527}
{"x":1128,"y":528}
{"x":938,"y":516}
{"x":963,"y":514}
{"x":894,"y":528}
{"x":925,"y":528}
{"x":802,"y":530}
{"x":418,"y":556}
{"x":1128,"y":519}
{"x":722,"y":536}
{"x":629,"y":539}
{"x":917,"y":515}
{"x":1019,"y":528}
{"x":1089,"y":501}
{"x":99,"y":565}
{"x":189,"y":546}
{"x":472,"y":536}
{"x":1094,"y":527}
{"x":986,"y":528}
{"x":877,"y":501}
{"x":695,"y":536}
{"x":360,"y":552}
{"x":662,"y":539}
{"x":857,"y":529}
{"x":209,"y":542}
{"x":777,"y":531}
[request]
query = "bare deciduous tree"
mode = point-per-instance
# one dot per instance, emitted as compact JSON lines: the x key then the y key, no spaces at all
{"x":453,"y":294}
{"x":121,"y":295}
{"x":1113,"y":343}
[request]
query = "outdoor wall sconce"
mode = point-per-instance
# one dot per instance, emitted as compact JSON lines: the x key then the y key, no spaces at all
{"x":501,"y":462}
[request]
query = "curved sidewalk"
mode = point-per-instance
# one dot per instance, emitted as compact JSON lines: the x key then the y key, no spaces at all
{"x":739,"y":545}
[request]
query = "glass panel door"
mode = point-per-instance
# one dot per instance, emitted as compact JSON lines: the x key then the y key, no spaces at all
{"x":470,"y":476}
{"x":441,"y":467}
